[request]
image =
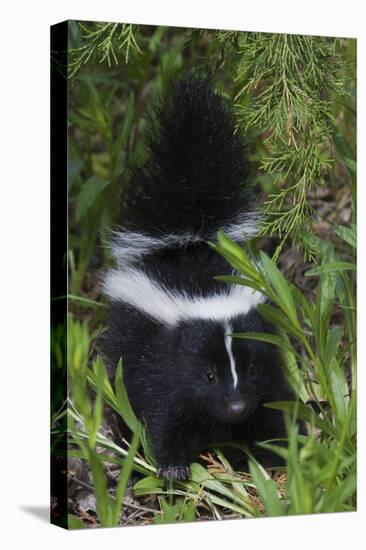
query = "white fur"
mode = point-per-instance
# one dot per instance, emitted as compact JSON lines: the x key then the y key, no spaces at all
{"x":229,"y":348}
{"x":130,"y":247}
{"x":168,"y":307}
{"x":244,"y":228}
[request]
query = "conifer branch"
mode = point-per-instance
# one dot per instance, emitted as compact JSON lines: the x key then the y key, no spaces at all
{"x":290,"y":79}
{"x":106,"y":41}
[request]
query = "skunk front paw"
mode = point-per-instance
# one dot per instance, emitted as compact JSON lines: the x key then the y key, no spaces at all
{"x":173,"y":473}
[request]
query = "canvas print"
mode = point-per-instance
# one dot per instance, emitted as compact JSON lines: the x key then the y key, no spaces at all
{"x":203,"y":274}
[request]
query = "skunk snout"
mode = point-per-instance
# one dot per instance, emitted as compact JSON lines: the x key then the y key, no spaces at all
{"x":237,"y":409}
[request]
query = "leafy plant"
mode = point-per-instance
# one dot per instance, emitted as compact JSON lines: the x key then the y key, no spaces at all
{"x":85,"y":419}
{"x":321,"y":467}
{"x":320,"y":362}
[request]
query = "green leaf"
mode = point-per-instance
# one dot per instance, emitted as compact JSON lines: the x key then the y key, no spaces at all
{"x":74,"y":168}
{"x":124,"y":405}
{"x":251,"y":275}
{"x":199,"y":474}
{"x":107,"y":389}
{"x":330,"y":268}
{"x":294,"y":374}
{"x":277,"y":318}
{"x":73,"y":522}
{"x":189,"y":511}
{"x":266,"y":337}
{"x":267,"y":490}
{"x":84,"y":301}
{"x":339,"y":387}
{"x":169,"y":512}
{"x":334,"y":336}
{"x":347,"y":234}
{"x":233,"y":248}
{"x":148,"y":485}
{"x":239,"y":280}
{"x":342,"y":145}
{"x":325,"y":298}
{"x":89,"y":192}
{"x":333,"y":500}
{"x":351,"y":166}
{"x":98,"y":405}
{"x":125,"y":129}
{"x":317,"y":245}
{"x":283,"y":293}
{"x":237,"y":257}
{"x":304,"y":413}
{"x":124,"y":477}
{"x":101,"y":488}
{"x":299,"y":487}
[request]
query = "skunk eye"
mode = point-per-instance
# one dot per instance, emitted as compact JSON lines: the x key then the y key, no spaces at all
{"x":211,"y":377}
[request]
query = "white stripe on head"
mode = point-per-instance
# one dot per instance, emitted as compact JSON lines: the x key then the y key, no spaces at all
{"x":128,"y":247}
{"x":228,"y":344}
{"x":134,"y":287}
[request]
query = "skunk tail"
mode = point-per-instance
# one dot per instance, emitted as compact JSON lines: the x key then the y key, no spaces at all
{"x":188,"y":183}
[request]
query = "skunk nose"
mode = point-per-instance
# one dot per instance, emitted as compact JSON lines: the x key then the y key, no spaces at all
{"x":237,"y":408}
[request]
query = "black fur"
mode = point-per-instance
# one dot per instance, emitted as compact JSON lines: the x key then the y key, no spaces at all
{"x":178,"y":378}
{"x":189,"y":176}
{"x":165,"y":372}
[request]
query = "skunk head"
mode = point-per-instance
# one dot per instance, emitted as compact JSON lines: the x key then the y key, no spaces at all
{"x":227,"y":378}
{"x":197,"y":363}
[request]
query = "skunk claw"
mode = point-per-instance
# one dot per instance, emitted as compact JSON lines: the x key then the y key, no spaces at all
{"x":183,"y":473}
{"x":173,"y":473}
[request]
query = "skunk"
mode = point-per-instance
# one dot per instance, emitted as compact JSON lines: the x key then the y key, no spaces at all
{"x":188,"y":380}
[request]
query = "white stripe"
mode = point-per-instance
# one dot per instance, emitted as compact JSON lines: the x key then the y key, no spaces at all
{"x":166,"y":306}
{"x":228,"y":344}
{"x":245,"y":227}
{"x":130,"y":247}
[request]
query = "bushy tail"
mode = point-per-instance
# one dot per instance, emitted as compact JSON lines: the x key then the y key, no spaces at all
{"x":188,"y":183}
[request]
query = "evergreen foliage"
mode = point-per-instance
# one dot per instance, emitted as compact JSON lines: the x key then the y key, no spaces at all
{"x":292,"y":79}
{"x":103,"y":41}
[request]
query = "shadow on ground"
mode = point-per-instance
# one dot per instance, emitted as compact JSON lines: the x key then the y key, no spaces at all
{"x":40,"y":512}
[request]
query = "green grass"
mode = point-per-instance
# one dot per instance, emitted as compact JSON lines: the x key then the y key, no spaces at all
{"x":320,"y":363}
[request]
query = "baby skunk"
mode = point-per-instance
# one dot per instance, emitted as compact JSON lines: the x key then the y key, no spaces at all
{"x":187,"y":379}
